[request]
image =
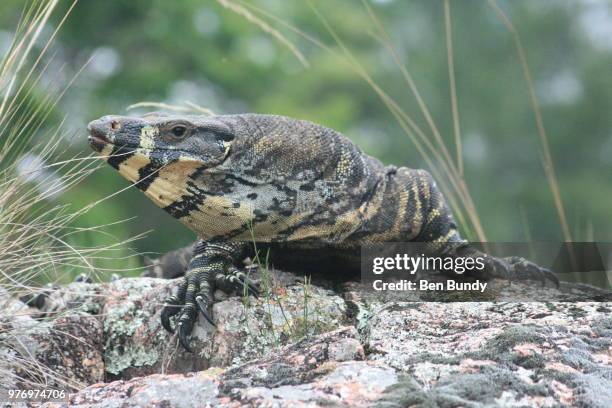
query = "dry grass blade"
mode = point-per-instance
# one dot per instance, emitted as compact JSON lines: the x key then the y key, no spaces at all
{"x":37,"y":241}
{"x":190,"y":107}
{"x":50,"y":7}
{"x":452,"y":85}
{"x":386,"y":41}
{"x":547,"y":161}
{"x":440,"y":152}
{"x":436,"y":156}
{"x":242,"y":11}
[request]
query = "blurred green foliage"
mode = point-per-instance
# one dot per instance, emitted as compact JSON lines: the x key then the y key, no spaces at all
{"x":195,"y":50}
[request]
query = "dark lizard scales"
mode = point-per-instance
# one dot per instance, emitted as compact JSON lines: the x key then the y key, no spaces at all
{"x":290,"y":185}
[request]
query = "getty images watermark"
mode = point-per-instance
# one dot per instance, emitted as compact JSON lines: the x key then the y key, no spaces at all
{"x":412,"y":264}
{"x":409,"y":267}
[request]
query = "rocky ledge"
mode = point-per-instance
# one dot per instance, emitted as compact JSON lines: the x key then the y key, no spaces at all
{"x":313,"y":345}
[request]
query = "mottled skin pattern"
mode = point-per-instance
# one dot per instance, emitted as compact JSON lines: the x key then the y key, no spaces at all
{"x":302,"y":190}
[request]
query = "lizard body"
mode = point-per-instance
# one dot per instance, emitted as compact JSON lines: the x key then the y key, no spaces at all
{"x":290,"y":185}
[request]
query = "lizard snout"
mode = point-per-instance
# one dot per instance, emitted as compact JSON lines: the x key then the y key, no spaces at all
{"x":101,"y":132}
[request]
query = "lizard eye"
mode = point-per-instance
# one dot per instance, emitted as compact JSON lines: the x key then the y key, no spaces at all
{"x":179,"y":131}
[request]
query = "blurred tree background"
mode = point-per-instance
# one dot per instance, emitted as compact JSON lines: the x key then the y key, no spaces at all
{"x":199,"y":51}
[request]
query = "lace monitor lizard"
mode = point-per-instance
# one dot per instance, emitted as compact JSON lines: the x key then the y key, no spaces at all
{"x":302,"y":190}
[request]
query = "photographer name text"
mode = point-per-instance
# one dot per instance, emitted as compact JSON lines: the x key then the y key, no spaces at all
{"x":425,"y":285}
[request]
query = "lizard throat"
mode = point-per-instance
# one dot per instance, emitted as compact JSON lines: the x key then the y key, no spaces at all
{"x":164,"y":184}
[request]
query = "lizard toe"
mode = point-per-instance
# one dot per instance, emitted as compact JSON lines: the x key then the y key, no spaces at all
{"x":550,"y":275}
{"x":184,"y":329}
{"x":241,"y":283}
{"x":525,"y":269}
{"x":188,"y":312}
{"x":204,"y":297}
{"x":185,"y":325}
{"x":205,"y":309}
{"x":499,"y":268}
{"x":171,"y":308}
{"x":252,"y":286}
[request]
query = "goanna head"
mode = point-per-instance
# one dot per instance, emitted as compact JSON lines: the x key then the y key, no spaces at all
{"x":157,"y":140}
{"x":165,"y":156}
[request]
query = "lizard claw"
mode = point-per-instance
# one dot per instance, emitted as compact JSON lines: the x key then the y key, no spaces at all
{"x":241,"y":283}
{"x":170,"y":309}
{"x":204,"y":309}
{"x":252,"y":287}
{"x":173,"y":306}
{"x":184,"y":329}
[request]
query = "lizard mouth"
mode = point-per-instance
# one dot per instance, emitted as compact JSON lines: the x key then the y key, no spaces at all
{"x":97,"y":137}
{"x":97,"y":143}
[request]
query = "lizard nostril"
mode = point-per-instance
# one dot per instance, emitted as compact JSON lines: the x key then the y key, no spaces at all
{"x":115,"y":125}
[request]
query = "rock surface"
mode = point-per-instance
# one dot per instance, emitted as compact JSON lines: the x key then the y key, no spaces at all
{"x":113,"y":330}
{"x":305,"y":345}
{"x":63,"y":351}
{"x":303,"y":374}
{"x":136,"y":344}
{"x":513,"y":354}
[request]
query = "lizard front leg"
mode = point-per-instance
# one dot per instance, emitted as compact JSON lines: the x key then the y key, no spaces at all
{"x":213,"y":265}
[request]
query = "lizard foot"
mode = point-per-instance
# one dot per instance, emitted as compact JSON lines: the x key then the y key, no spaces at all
{"x":172,"y":306}
{"x":238,"y":282}
{"x":517,"y":268}
{"x":524,"y":269}
{"x":210,"y":268}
